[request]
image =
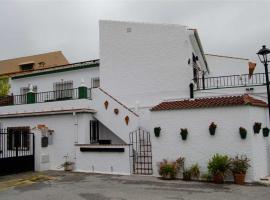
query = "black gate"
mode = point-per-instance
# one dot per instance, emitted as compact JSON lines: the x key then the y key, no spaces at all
{"x":17,"y":150}
{"x":141,"y":152}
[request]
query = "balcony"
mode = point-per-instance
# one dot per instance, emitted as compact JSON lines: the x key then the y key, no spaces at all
{"x":231,"y":81}
{"x":49,"y":96}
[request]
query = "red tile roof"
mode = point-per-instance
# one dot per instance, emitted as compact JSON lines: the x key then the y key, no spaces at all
{"x":210,"y":102}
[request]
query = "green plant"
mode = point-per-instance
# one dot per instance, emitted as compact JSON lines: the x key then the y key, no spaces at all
{"x":167,"y":169}
{"x":4,"y":86}
{"x":187,"y":175}
{"x":219,"y":164}
{"x":184,"y":133}
{"x":257,"y":127}
{"x":195,"y":171}
{"x":240,"y":164}
{"x":243,"y":133}
{"x":212,"y":128}
{"x":265,"y":131}
{"x":157,"y":131}
{"x":67,"y":163}
{"x":207,"y":177}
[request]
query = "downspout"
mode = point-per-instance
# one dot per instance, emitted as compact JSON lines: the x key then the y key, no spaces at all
{"x":75,"y":133}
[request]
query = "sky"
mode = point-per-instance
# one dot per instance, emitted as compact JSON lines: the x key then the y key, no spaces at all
{"x":226,"y":27}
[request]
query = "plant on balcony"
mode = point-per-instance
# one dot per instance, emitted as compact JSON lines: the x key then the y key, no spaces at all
{"x":4,"y":86}
{"x":257,"y":127}
{"x":184,"y":133}
{"x":265,"y":131}
{"x":218,"y":167}
{"x":167,"y":170}
{"x":239,"y":167}
{"x":212,"y":128}
{"x":243,"y":133}
{"x":157,"y":131}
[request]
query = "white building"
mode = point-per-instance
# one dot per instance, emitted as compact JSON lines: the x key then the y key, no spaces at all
{"x":101,"y":114}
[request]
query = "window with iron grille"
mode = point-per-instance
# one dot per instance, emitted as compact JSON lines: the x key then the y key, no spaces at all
{"x":95,"y":82}
{"x":63,"y":90}
{"x":18,"y":137}
{"x":94,"y":131}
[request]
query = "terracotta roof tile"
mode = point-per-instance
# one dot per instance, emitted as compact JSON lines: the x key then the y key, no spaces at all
{"x":210,"y":102}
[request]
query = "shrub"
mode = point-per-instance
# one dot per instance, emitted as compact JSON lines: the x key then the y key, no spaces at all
{"x":4,"y":86}
{"x":219,"y":164}
{"x":167,"y":169}
{"x":187,"y":175}
{"x":195,"y":171}
{"x":240,"y":164}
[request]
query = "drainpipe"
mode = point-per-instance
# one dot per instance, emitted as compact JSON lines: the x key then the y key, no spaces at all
{"x":75,"y":132}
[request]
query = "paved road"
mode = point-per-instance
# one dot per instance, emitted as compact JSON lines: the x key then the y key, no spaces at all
{"x":80,"y":186}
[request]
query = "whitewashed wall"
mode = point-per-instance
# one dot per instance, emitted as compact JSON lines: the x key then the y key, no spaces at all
{"x":200,"y":146}
{"x":104,"y":162}
{"x":144,"y":62}
{"x":45,"y":82}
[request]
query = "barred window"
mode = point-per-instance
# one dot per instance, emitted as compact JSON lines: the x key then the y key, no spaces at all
{"x":95,"y":82}
{"x":18,"y":137}
{"x":63,"y":90}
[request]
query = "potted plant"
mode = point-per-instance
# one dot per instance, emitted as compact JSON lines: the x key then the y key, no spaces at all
{"x":167,"y":170}
{"x":184,"y":133}
{"x":212,"y":128}
{"x":257,"y":127}
{"x":68,"y":166}
{"x":157,"y":131}
{"x":195,"y":171}
{"x":239,"y":167}
{"x":265,"y":131}
{"x":218,"y":166}
{"x":243,"y":133}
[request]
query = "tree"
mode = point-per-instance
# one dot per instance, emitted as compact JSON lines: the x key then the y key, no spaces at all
{"x":4,"y":86}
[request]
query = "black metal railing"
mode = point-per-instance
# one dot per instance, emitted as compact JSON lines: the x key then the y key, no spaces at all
{"x":41,"y":97}
{"x":231,"y":81}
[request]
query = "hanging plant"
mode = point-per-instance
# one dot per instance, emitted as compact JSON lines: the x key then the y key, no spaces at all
{"x":127,"y":120}
{"x":106,"y":104}
{"x":212,"y":128}
{"x":116,"y":111}
{"x":257,"y":127}
{"x":184,"y":133}
{"x":243,"y":133}
{"x":265,"y":131}
{"x":157,"y":131}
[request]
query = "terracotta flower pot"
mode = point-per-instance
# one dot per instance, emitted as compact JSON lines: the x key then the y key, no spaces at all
{"x":239,"y":179}
{"x":218,"y":178}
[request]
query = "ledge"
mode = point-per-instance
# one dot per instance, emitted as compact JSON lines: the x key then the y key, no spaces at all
{"x":102,"y":149}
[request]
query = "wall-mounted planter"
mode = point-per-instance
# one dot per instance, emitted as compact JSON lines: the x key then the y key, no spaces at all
{"x":257,"y":127}
{"x":243,"y":133}
{"x":184,"y":133}
{"x":127,"y":120}
{"x":116,"y":111}
{"x":157,"y":131}
{"x":106,"y":104}
{"x":212,"y":128}
{"x":265,"y":131}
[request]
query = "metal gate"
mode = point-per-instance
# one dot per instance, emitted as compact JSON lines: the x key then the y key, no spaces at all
{"x":17,"y":150}
{"x":141,"y":152}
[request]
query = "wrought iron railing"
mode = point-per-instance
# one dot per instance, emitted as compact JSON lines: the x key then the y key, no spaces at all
{"x":231,"y":81}
{"x":42,"y":97}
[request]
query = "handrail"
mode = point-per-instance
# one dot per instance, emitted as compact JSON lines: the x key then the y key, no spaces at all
{"x":231,"y":81}
{"x":42,"y":97}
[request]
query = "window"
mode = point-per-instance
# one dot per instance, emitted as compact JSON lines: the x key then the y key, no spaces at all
{"x":95,"y":82}
{"x":63,"y":90}
{"x":94,"y":131}
{"x":27,"y":66}
{"x":18,"y":137}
